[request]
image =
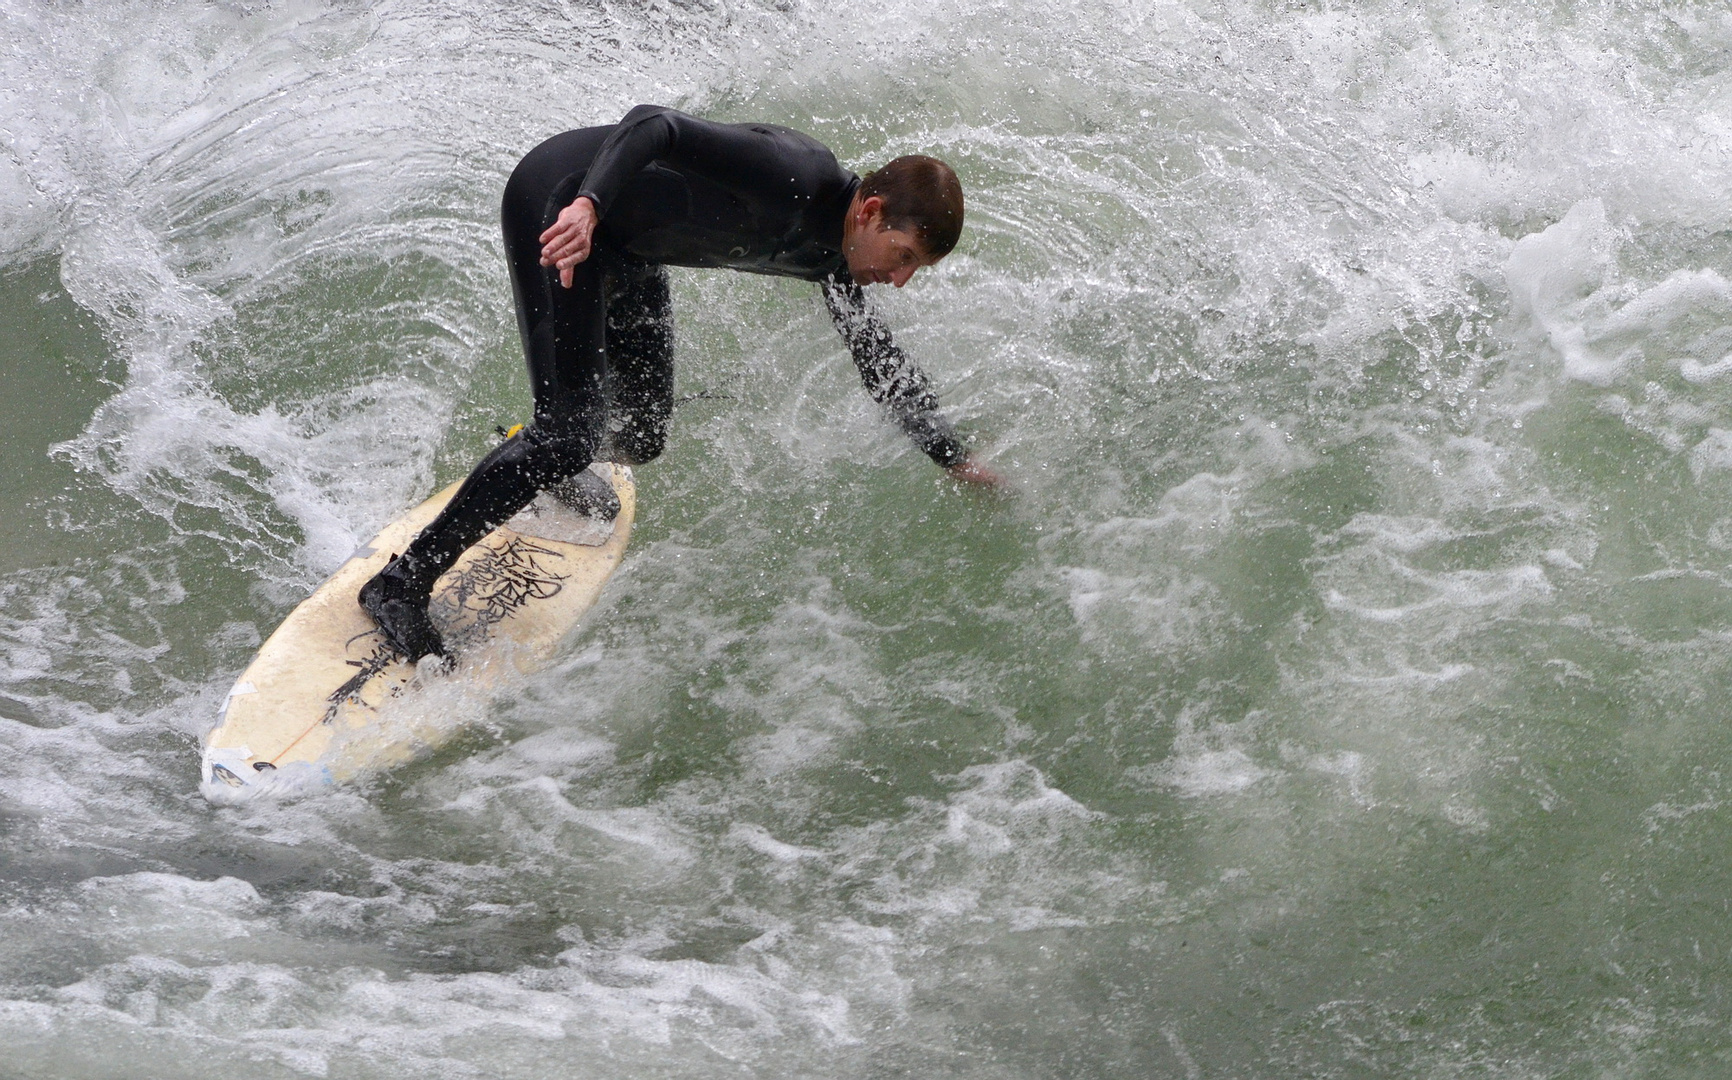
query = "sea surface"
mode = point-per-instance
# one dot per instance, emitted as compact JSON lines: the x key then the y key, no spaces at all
{"x":1342,"y":693}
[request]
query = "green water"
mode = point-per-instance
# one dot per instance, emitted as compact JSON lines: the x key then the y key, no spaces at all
{"x":1340,"y":694}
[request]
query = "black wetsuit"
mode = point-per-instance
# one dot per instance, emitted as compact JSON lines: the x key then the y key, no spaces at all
{"x":669,"y":190}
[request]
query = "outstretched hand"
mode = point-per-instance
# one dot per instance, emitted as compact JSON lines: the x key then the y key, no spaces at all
{"x":567,"y":241}
{"x":971,"y":470}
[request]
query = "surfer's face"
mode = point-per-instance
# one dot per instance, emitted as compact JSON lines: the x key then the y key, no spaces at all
{"x":877,"y":254}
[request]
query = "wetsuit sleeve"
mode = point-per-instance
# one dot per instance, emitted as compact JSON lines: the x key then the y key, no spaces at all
{"x":891,"y":378}
{"x":744,"y":156}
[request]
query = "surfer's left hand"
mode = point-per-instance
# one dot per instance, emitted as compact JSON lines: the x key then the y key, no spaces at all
{"x":567,"y":241}
{"x":971,"y":470}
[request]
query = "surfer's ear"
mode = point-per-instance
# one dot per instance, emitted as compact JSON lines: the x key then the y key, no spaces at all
{"x":869,"y":213}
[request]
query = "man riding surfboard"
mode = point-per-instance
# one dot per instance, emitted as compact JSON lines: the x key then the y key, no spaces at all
{"x":591,"y":218}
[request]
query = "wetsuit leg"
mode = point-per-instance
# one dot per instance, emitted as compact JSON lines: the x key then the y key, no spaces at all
{"x":565,"y":343}
{"x":640,"y":345}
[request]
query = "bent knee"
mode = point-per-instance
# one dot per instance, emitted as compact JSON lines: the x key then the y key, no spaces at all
{"x":552,"y":456}
{"x":637,"y":449}
{"x":638,"y":436}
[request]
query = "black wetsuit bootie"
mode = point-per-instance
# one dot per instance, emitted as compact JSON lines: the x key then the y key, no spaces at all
{"x":398,"y":603}
{"x":588,"y":494}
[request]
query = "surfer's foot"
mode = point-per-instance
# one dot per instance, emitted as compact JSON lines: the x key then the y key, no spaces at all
{"x":400,"y":613}
{"x":588,"y":494}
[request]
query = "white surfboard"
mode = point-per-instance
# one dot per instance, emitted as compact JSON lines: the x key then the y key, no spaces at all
{"x":315,"y":706}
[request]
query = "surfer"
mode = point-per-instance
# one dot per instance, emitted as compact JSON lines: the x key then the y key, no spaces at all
{"x":591,"y":218}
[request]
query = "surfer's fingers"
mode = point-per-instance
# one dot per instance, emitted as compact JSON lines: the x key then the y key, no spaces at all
{"x":560,"y":232}
{"x":568,"y":249}
{"x":579,"y":215}
{"x":565,"y":265}
{"x":572,"y":252}
{"x":972,"y":470}
{"x":559,"y":245}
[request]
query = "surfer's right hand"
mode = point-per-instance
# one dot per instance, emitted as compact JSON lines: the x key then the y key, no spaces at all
{"x":566,"y":242}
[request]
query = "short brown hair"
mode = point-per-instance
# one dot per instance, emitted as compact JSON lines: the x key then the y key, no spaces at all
{"x":921,"y":196}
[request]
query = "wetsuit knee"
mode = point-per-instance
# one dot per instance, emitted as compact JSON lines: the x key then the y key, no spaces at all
{"x":638,"y":443}
{"x":548,"y":454}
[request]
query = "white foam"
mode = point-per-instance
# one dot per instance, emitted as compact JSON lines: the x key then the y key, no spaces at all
{"x":1207,"y":761}
{"x":1713,"y":453}
{"x":759,"y":839}
{"x":1453,"y":590}
{"x":1551,"y":276}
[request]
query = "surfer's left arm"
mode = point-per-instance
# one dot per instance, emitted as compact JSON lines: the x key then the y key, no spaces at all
{"x":898,"y":384}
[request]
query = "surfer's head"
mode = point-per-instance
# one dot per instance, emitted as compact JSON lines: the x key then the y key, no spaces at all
{"x":904,"y":216}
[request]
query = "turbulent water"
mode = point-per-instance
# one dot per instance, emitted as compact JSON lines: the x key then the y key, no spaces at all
{"x":1343,"y":693}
